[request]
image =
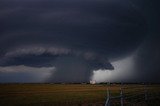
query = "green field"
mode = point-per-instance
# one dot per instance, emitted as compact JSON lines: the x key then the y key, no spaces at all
{"x":58,"y":94}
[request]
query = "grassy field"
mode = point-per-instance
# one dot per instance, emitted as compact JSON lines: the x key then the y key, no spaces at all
{"x":57,"y":94}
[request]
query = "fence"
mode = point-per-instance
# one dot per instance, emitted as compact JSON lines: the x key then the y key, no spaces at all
{"x":134,"y":95}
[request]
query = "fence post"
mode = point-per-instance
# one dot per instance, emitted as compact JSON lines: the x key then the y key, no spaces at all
{"x":121,"y":95}
{"x":145,"y":93}
{"x":108,"y":98}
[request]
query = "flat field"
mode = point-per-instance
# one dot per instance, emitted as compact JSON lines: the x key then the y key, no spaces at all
{"x":62,"y":94}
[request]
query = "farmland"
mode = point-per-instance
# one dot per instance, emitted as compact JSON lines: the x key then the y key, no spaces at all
{"x":59,"y":94}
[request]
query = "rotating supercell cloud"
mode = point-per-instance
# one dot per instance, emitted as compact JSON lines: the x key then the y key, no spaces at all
{"x":79,"y":40}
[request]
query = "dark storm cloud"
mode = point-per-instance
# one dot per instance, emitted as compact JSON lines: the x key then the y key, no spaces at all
{"x":56,"y":32}
{"x":148,"y":54}
{"x":148,"y":60}
{"x":87,"y":25}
